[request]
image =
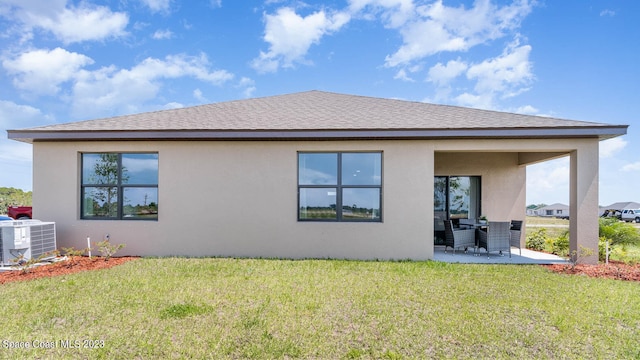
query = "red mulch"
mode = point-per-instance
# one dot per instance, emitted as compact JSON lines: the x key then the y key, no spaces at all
{"x":613,"y":270}
{"x":68,"y":266}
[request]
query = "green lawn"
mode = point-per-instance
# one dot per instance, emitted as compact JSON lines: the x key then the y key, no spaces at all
{"x":245,"y":308}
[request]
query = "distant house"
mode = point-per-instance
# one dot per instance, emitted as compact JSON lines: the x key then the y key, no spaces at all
{"x":305,"y":175}
{"x":554,"y":210}
{"x":532,"y":210}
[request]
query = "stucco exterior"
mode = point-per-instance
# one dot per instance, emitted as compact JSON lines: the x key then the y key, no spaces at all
{"x":227,"y":174}
{"x":239,"y":198}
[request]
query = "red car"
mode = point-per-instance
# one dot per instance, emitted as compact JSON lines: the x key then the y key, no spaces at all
{"x":20,"y":212}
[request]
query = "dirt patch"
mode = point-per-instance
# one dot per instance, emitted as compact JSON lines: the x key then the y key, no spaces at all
{"x":65,"y":266}
{"x":613,"y":270}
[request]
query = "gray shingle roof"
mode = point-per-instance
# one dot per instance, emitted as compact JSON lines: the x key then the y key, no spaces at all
{"x":315,"y":112}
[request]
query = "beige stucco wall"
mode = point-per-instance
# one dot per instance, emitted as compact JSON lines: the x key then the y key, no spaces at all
{"x":503,"y":180}
{"x":239,"y":198}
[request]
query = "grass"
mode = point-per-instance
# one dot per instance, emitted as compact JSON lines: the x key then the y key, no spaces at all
{"x":626,"y":253}
{"x":266,"y":309}
{"x":555,"y":227}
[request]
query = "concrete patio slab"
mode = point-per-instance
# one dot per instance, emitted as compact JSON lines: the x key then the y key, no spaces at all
{"x":528,"y":257}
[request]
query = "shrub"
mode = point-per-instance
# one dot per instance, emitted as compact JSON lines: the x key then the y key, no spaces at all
{"x":619,"y":232}
{"x":107,"y":249}
{"x":25,"y":265}
{"x":537,"y":239}
{"x":71,"y":251}
{"x":559,"y":245}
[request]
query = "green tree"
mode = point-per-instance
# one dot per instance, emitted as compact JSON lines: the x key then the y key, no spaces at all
{"x":13,"y":197}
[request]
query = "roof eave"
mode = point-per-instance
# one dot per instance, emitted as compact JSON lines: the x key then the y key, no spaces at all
{"x":601,"y":132}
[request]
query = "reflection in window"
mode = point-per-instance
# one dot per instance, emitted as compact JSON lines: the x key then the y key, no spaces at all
{"x":318,"y":203}
{"x":318,"y":169}
{"x":119,"y":186}
{"x":100,"y":201}
{"x":340,"y":186}
{"x":454,"y":198}
{"x":459,"y":197}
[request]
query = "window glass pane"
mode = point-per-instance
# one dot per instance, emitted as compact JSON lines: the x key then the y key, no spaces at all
{"x":318,"y":203}
{"x":361,"y":204}
{"x":439,"y":203}
{"x":459,"y":197}
{"x":100,"y":169}
{"x":100,"y":202}
{"x":140,"y":202}
{"x":140,"y":169}
{"x":317,"y":169}
{"x":361,"y":168}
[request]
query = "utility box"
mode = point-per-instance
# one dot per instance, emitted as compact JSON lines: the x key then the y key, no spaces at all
{"x":29,"y":238}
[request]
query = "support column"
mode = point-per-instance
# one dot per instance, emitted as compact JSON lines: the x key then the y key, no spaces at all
{"x":583,"y":217}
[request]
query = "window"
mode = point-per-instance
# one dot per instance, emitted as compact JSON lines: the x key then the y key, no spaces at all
{"x":340,"y":186}
{"x":455,"y":198}
{"x":119,"y":186}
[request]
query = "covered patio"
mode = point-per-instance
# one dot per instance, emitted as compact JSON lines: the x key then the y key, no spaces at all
{"x":528,"y":257}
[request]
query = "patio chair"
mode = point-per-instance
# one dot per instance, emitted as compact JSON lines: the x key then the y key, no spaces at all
{"x":516,"y":234}
{"x":467,"y":223}
{"x":458,"y":238}
{"x":497,"y":237}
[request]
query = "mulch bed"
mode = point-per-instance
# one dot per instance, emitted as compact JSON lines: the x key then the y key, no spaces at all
{"x":613,"y":270}
{"x":66,"y":266}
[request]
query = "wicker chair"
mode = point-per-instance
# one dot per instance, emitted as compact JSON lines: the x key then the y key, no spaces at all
{"x":496,"y":238}
{"x":458,"y":238}
{"x":516,"y":234}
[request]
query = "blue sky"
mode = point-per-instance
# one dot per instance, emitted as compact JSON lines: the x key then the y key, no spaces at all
{"x":63,"y":61}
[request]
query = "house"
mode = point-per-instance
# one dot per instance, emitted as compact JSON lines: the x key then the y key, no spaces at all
{"x":554,"y":210}
{"x":532,"y":210}
{"x":305,"y":175}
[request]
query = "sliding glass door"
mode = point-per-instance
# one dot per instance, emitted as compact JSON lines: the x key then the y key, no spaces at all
{"x":454,"y":198}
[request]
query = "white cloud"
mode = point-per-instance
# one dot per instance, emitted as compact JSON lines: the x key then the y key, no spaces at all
{"x":548,"y":182}
{"x":527,"y":110}
{"x":248,"y":85}
{"x":118,"y":91}
{"x":609,"y":148}
{"x":197,"y":94}
{"x":290,"y":36}
{"x":68,"y":23}
{"x":402,"y":75}
{"x":248,"y":92}
{"x":16,"y":164}
{"x":162,"y":34}
{"x":607,"y":12}
{"x":504,"y":76}
{"x":13,"y":115}
{"x":506,"y":73}
{"x":16,"y":156}
{"x":394,"y":13}
{"x":632,"y":167}
{"x":157,"y":5}
{"x":15,"y":152}
{"x":435,"y":28}
{"x":443,"y":74}
{"x":42,"y":71}
{"x":172,"y":105}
